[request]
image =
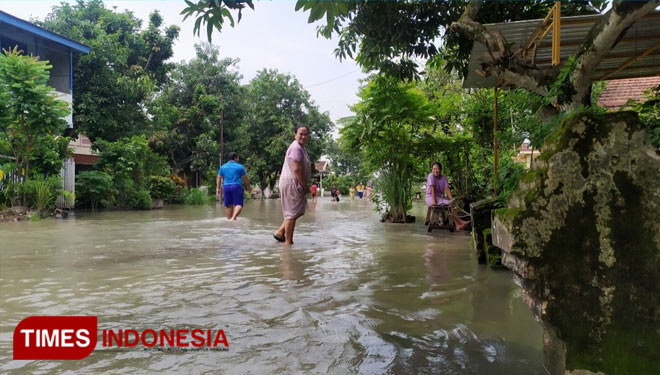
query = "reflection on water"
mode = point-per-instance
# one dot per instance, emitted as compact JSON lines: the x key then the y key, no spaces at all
{"x":352,"y":296}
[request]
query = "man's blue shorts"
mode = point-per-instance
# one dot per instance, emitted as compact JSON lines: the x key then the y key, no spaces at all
{"x":233,"y":195}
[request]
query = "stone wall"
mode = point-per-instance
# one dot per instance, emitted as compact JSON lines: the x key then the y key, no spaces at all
{"x":583,"y":234}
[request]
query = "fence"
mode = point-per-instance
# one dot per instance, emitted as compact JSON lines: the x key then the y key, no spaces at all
{"x":68,"y":173}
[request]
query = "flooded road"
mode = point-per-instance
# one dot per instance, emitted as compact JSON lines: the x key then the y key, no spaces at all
{"x":353,"y":295}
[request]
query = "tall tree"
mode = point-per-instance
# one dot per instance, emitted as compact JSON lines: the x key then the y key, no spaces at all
{"x":388,"y":129}
{"x":30,"y":115}
{"x":188,"y":112}
{"x":125,"y":66}
{"x":277,"y":102}
{"x":343,"y":161}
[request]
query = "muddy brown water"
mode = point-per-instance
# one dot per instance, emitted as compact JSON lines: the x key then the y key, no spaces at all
{"x":352,"y":296}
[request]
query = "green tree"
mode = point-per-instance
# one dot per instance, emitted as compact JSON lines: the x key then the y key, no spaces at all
{"x":388,"y":34}
{"x":126,"y":64}
{"x":343,"y":160}
{"x":276,"y":103}
{"x":187,"y":114}
{"x":129,"y":161}
{"x":30,"y":115}
{"x":392,"y":128}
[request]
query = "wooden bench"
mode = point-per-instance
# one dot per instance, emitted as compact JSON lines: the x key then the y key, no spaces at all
{"x":439,"y":217}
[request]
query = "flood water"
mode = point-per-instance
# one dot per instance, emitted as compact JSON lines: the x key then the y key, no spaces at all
{"x":352,"y":296}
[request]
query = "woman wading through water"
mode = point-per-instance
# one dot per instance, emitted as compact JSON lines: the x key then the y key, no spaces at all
{"x":294,"y":180}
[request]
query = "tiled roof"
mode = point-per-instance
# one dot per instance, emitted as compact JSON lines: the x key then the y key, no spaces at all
{"x":619,"y":91}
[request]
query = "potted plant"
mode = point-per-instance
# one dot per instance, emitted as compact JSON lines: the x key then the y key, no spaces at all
{"x":161,"y":189}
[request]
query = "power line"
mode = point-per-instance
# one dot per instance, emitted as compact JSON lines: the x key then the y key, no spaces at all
{"x":333,"y":79}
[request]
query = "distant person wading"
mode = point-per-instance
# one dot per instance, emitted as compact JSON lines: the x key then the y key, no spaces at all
{"x":229,"y":185}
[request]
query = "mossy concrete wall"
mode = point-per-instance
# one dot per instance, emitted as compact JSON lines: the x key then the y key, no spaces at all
{"x":583,"y":233}
{"x":480,"y":216}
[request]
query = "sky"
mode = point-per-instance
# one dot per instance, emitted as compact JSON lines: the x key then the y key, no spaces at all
{"x":273,"y":36}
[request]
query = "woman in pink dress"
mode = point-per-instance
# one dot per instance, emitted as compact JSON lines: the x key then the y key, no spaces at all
{"x":296,"y":172}
{"x":437,"y":186}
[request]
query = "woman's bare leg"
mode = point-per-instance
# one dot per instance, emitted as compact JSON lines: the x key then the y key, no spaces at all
{"x":280,"y":231}
{"x":289,"y":225}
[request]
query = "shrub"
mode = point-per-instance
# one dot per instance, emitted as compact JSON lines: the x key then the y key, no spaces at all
{"x":38,"y":193}
{"x":396,"y":195}
{"x":160,"y":187}
{"x":193,"y":196}
{"x":45,"y":191}
{"x":179,"y":189}
{"x":94,"y":188}
{"x":141,"y":200}
{"x":12,"y":192}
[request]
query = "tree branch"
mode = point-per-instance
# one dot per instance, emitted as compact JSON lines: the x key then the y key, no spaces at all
{"x":499,"y":60}
{"x":604,"y":36}
{"x":471,"y":10}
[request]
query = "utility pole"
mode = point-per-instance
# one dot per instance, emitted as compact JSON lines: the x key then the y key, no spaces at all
{"x":222,"y":129}
{"x":222,"y":135}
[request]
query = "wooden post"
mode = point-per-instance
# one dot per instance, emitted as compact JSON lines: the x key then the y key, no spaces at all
{"x":556,"y":30}
{"x":495,"y":145}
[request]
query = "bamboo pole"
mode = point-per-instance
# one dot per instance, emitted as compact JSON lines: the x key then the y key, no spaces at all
{"x":495,"y":145}
{"x":556,"y":31}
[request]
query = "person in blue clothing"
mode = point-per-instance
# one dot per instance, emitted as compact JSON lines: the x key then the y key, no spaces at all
{"x":229,"y":179}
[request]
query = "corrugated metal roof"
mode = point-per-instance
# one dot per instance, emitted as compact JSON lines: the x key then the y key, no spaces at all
{"x":644,"y":34}
{"x":29,"y":27}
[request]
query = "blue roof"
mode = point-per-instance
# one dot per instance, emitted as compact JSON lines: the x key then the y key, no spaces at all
{"x":42,"y":33}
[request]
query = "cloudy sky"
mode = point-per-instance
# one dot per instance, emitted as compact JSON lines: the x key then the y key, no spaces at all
{"x":272,"y":36}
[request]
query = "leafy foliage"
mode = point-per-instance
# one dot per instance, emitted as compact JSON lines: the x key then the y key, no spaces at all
{"x":194,"y":197}
{"x":123,"y":69}
{"x":30,"y":115}
{"x":342,"y":160}
{"x":187,"y":114}
{"x":416,"y":29}
{"x":160,"y":187}
{"x":649,"y":114}
{"x":276,"y":103}
{"x":45,"y":192}
{"x":141,"y":200}
{"x":213,"y":13}
{"x":129,"y":161}
{"x":390,"y":130}
{"x":94,"y":188}
{"x":343,"y":182}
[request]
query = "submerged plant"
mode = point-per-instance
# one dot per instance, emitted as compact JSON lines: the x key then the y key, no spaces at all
{"x":194,"y":197}
{"x":395,"y":194}
{"x":45,"y":192}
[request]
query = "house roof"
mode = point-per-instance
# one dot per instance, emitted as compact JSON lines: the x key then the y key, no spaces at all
{"x":619,"y":91}
{"x":41,"y":32}
{"x":644,"y":35}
